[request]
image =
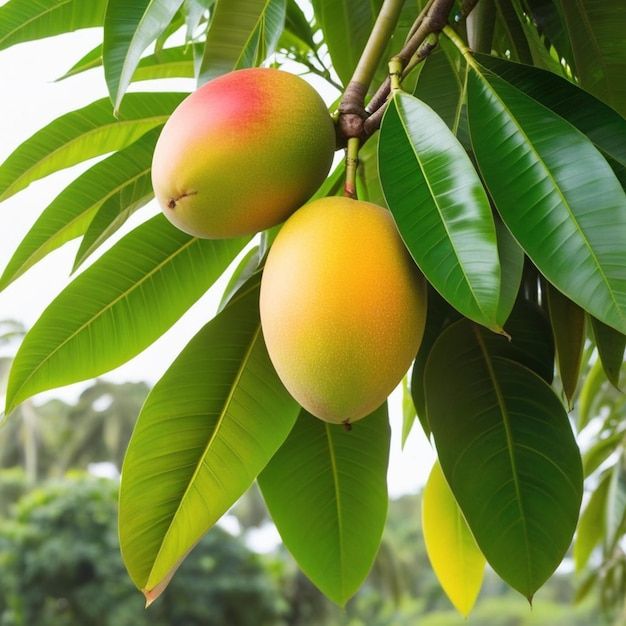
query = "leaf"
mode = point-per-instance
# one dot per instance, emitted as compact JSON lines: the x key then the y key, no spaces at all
{"x":611,"y":345}
{"x":589,"y":394}
{"x":83,"y":134}
{"x":112,"y":215}
{"x":439,"y":315}
{"x":595,"y":29}
{"x":194,"y":11}
{"x":556,"y":194}
{"x":508,"y":453}
{"x":440,"y":207}
{"x":511,"y":270}
{"x":233,"y":26}
{"x":615,"y":510}
{"x":603,"y":125}
{"x":130,"y":26}
{"x":27,"y":20}
{"x":408,"y":410}
{"x":206,"y":430}
{"x":346,"y":25}
{"x":600,"y":451}
{"x":440,"y":88}
{"x":452,"y":551}
{"x":326,"y":490}
{"x":174,"y":62}
{"x":297,"y":24}
{"x":591,"y":523}
{"x":265,"y":38}
{"x":71,"y":212}
{"x":118,"y":306}
{"x":568,"y":327}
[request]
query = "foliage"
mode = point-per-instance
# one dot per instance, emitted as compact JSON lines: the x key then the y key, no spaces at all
{"x":506,"y":182}
{"x":61,"y":567}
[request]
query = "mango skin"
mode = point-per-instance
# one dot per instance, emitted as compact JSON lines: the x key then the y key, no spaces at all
{"x":342,"y":307}
{"x":242,"y":153}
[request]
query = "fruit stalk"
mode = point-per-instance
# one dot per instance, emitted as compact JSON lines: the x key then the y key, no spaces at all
{"x":352,"y":162}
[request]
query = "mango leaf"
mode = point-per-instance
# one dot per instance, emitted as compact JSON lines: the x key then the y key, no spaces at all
{"x":206,"y":430}
{"x":118,"y":306}
{"x":600,"y":451}
{"x":568,"y":327}
{"x":611,"y":345}
{"x":71,"y":212}
{"x":511,"y":270}
{"x":589,"y":394}
{"x":234,"y":26}
{"x":174,"y":62}
{"x":603,"y":125}
{"x":27,"y":20}
{"x":440,"y":87}
{"x":326,"y":490}
{"x":440,"y":207}
{"x":556,"y":194}
{"x":595,"y":30}
{"x":130,"y":26}
{"x":452,"y":551}
{"x":591,"y":523}
{"x":297,"y":24}
{"x":265,"y":37}
{"x":112,"y":215}
{"x":83,"y":134}
{"x":346,"y":25}
{"x":408,"y":410}
{"x":194,"y":11}
{"x":615,"y":511}
{"x":508,"y":453}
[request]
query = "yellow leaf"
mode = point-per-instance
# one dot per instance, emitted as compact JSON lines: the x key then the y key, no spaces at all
{"x":452,"y":550}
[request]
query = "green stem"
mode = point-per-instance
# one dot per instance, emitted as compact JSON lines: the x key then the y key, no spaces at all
{"x":395,"y":74}
{"x":448,"y":31}
{"x":352,"y":162}
{"x":380,"y":35}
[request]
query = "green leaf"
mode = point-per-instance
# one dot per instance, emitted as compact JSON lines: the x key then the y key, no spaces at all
{"x":589,"y":394}
{"x":440,"y":207}
{"x":508,"y":453}
{"x":615,"y":511}
{"x":175,"y":62}
{"x":452,"y":551}
{"x":568,"y":327}
{"x":439,"y":315}
{"x":591,"y":523}
{"x":265,"y":37}
{"x":27,"y":20}
{"x":194,"y":11}
{"x":206,"y":430}
{"x":346,"y":25}
{"x":118,"y":306}
{"x":70,"y":213}
{"x":440,"y":88}
{"x":600,"y":451}
{"x":596,"y":32}
{"x":511,"y":270}
{"x":83,"y":134}
{"x":297,"y":24}
{"x":611,"y":345}
{"x":326,"y":490}
{"x":603,"y":125}
{"x":112,"y":215}
{"x":130,"y":26}
{"x":556,"y":194}
{"x":408,"y":410}
{"x":234,"y":26}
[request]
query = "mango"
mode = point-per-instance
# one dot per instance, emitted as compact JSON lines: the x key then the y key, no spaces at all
{"x":343,"y":307}
{"x":242,"y":153}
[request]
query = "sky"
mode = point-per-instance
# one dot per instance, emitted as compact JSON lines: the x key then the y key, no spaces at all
{"x":31,"y":99}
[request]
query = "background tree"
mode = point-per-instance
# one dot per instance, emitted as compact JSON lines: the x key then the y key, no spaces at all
{"x":506,"y":184}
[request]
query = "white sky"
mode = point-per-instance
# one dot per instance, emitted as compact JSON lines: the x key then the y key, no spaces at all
{"x":29,"y":101}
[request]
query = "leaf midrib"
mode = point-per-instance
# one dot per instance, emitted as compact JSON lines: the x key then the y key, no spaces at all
{"x":510,"y":447}
{"x":200,"y":464}
{"x":335,"y":475}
